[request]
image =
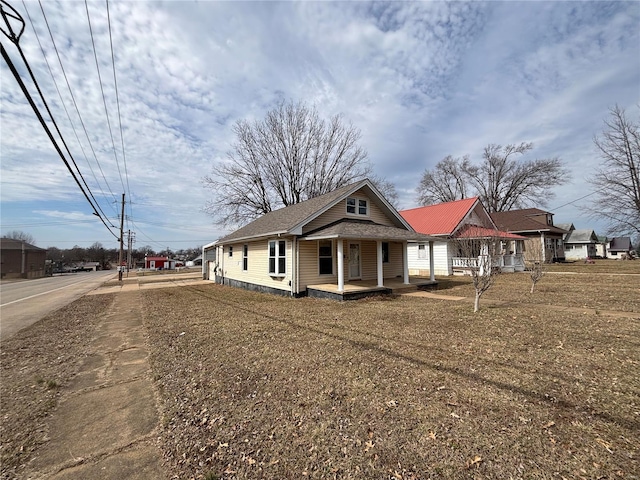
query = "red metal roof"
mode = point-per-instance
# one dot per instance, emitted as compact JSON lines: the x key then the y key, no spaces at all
{"x":440,"y":219}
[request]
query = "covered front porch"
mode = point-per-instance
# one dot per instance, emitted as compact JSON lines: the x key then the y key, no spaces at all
{"x":356,"y":289}
{"x":358,"y":259}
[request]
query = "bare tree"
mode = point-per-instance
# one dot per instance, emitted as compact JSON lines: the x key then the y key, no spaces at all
{"x":19,"y":235}
{"x":387,"y":188}
{"x":447,"y":181}
{"x":617,"y":183}
{"x":535,"y":262}
{"x":290,"y":156}
{"x":501,"y":180}
{"x":479,"y":252}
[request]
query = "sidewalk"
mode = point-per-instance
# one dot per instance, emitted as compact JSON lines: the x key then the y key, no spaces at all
{"x":106,"y":424}
{"x":135,"y":283}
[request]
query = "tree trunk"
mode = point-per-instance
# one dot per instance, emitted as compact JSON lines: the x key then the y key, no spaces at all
{"x":476,"y":304}
{"x":533,"y":285}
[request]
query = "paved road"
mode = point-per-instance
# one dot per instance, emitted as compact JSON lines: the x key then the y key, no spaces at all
{"x":27,"y":301}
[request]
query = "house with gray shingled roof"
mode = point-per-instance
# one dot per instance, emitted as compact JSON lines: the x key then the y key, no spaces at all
{"x":348,"y":243}
{"x":580,"y":244}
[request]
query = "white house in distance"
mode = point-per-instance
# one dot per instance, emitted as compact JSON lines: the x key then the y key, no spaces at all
{"x":449,"y":220}
{"x":579,"y":243}
{"x":346,"y":244}
{"x":619,"y":246}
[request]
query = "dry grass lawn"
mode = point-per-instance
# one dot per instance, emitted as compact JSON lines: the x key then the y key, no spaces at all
{"x":258,"y":386}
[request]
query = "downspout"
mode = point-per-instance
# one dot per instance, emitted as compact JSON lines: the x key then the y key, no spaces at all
{"x":294,"y":266}
{"x":432,"y":273}
{"x":205,"y":265}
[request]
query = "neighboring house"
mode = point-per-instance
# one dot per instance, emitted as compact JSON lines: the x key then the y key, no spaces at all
{"x":537,"y":226}
{"x":618,"y":246}
{"x":195,"y":262}
{"x":601,"y":246}
{"x":159,"y":263}
{"x":345,"y":244}
{"x":579,"y":243}
{"x":21,"y":260}
{"x":449,"y":220}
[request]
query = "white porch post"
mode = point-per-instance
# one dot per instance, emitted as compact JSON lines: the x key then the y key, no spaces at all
{"x":379,"y":263}
{"x":405,"y":261}
{"x":340,"y":265}
{"x":432,"y":273}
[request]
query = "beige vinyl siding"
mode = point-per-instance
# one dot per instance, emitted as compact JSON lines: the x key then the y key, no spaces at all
{"x":368,"y":262}
{"x":395,"y":267}
{"x":308,"y":265}
{"x":258,"y":264}
{"x":339,"y":211}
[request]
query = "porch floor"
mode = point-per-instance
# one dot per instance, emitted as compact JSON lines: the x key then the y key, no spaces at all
{"x":362,"y":288}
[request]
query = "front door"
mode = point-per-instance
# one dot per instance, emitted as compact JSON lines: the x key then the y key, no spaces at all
{"x":354,"y":260}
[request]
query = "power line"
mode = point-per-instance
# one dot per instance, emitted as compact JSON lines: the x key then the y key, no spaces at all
{"x":46,"y":128}
{"x":115,"y":82}
{"x":65,"y":106}
{"x":16,"y":42}
{"x":15,"y":39}
{"x":104,"y":99}
{"x":581,"y":198}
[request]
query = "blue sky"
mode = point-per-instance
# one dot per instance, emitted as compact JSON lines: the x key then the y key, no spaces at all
{"x":420,"y":80}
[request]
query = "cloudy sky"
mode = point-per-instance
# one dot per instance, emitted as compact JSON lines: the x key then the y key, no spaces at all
{"x":420,"y":80}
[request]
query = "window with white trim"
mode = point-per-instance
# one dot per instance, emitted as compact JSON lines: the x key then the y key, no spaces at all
{"x":231,"y":250}
{"x":245,"y":257}
{"x":325,"y":257}
{"x":277,"y":258}
{"x":357,"y":206}
{"x":422,"y":251}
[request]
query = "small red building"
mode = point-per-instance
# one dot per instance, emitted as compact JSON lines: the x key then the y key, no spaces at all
{"x":159,"y":263}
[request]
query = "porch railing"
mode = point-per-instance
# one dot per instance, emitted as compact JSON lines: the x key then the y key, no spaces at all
{"x":506,"y":263}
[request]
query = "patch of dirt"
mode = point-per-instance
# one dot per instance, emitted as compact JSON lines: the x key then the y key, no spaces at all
{"x":259,"y":386}
{"x":36,"y":362}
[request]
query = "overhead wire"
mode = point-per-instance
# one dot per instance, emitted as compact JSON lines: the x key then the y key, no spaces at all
{"x":15,"y":39}
{"x":26,"y":93}
{"x":104,"y":99}
{"x":46,"y":106}
{"x":64,"y":104}
{"x":115,"y":82}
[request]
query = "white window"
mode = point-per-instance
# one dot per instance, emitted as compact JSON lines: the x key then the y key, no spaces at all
{"x":422,"y":251}
{"x":325,"y":257}
{"x":277,"y":258}
{"x":357,"y":206}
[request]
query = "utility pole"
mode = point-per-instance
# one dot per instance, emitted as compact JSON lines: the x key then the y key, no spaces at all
{"x":131,"y":240}
{"x":121,"y":241}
